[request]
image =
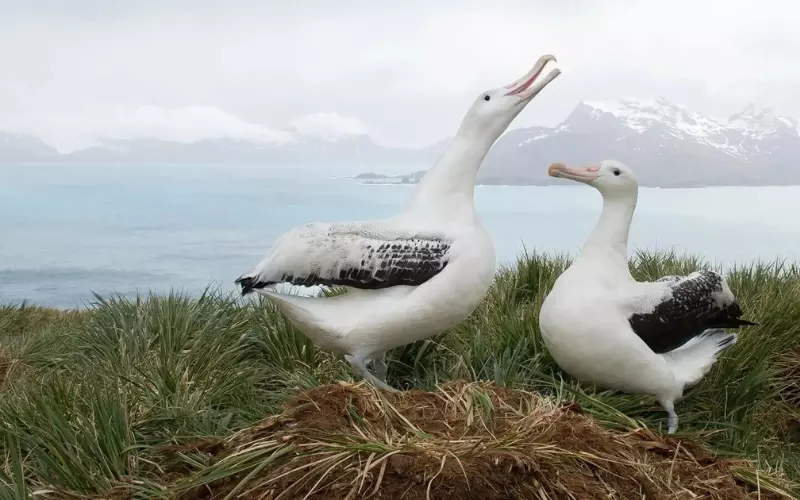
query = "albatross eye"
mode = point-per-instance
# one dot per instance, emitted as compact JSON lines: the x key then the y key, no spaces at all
{"x":486,"y":98}
{"x":616,"y":171}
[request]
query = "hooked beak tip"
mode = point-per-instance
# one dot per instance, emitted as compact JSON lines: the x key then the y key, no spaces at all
{"x":554,"y":169}
{"x":527,"y":86}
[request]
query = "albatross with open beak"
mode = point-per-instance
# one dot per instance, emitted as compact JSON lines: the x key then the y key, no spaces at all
{"x":409,"y":276}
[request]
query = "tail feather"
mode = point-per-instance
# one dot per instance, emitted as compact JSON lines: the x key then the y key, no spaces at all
{"x":691,"y":361}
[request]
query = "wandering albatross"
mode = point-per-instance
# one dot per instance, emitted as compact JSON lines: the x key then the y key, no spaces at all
{"x":603,"y":327}
{"x":409,"y":276}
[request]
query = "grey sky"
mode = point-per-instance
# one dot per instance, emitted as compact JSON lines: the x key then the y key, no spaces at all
{"x":402,"y":71}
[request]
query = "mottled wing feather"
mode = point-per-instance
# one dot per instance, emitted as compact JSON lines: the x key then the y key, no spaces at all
{"x":690,"y":305}
{"x":358,"y":256}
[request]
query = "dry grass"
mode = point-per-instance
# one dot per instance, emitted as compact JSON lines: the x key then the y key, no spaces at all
{"x":466,"y":440}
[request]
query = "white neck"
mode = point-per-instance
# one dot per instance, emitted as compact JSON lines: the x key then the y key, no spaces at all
{"x":608,"y":242}
{"x":455,"y":173}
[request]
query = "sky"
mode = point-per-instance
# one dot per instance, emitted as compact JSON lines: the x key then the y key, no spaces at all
{"x":402,"y":72}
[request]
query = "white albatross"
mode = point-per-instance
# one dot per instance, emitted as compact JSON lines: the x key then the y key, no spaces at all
{"x":603,"y":327}
{"x":409,"y":276}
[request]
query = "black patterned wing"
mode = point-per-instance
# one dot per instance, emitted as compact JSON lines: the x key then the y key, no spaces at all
{"x":321,"y":254}
{"x":692,"y":305}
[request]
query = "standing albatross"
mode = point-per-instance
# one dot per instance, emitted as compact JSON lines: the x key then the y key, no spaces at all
{"x":602,"y":326}
{"x":409,"y":276}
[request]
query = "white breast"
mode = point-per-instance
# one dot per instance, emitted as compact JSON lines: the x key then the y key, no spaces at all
{"x":587,"y":334}
{"x":435,"y":306}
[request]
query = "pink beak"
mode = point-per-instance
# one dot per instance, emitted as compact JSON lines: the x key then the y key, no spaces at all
{"x":584,"y":174}
{"x":524,"y":87}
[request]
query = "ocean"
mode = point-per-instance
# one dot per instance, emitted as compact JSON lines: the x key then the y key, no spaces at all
{"x":69,"y":231}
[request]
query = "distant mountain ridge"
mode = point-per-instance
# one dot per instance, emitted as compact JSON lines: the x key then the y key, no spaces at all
{"x":668,"y":145}
{"x":24,"y":148}
{"x":351,"y":150}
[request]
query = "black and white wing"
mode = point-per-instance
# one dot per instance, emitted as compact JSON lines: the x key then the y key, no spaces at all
{"x":673,"y":310}
{"x":366,"y":256}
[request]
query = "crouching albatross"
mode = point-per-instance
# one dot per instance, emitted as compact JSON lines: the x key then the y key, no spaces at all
{"x":409,"y":276}
{"x":603,"y":327}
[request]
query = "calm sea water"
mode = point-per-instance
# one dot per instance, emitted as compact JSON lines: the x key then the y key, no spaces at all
{"x":67,"y":231}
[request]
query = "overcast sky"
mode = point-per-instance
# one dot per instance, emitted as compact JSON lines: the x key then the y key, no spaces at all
{"x":404,"y":72}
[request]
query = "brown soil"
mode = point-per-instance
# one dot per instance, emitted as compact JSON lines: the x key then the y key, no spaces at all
{"x":465,"y":441}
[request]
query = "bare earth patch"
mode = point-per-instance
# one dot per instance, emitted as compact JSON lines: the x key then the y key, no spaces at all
{"x":467,"y":440}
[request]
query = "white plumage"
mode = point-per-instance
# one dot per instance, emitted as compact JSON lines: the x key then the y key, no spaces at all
{"x":604,"y":327}
{"x":407,"y":277}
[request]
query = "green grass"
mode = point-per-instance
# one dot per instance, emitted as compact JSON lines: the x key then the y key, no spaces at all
{"x":89,"y":400}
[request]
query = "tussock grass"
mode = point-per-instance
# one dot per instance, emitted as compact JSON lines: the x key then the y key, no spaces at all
{"x":464,"y":440}
{"x":166,"y":396}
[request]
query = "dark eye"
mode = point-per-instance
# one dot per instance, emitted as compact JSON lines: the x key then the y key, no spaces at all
{"x":486,"y":98}
{"x":616,"y":171}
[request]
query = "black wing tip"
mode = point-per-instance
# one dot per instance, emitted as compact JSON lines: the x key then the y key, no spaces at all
{"x":249,"y":284}
{"x":246,"y":283}
{"x":735,"y":323}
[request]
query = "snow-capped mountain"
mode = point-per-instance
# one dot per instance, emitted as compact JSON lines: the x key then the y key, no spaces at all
{"x":667,"y":144}
{"x":760,"y":124}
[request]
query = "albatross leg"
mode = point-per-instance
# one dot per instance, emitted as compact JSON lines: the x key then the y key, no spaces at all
{"x":380,"y":367}
{"x":672,"y":417}
{"x":672,"y":422}
{"x":360,"y":366}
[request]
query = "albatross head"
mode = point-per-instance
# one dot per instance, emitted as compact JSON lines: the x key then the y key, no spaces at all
{"x":610,"y":177}
{"x":493,"y":110}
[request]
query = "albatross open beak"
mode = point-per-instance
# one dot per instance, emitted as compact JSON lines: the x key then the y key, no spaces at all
{"x":585,"y":174}
{"x":524,"y":87}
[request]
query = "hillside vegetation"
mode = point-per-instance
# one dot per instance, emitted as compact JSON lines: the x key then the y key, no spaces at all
{"x":219,"y":397}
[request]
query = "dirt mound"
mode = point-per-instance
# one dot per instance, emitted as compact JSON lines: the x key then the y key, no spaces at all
{"x":464,"y":441}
